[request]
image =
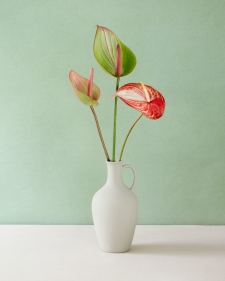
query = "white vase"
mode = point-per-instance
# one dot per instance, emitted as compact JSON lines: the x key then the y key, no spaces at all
{"x":114,"y":211}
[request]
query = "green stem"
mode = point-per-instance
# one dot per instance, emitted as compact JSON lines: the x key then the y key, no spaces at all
{"x":124,"y":143}
{"x":114,"y":123}
{"x":100,"y":134}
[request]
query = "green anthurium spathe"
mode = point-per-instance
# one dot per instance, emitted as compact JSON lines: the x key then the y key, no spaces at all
{"x":86,"y":91}
{"x":113,"y":56}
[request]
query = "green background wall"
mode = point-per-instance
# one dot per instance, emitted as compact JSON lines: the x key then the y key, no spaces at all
{"x":51,"y":161}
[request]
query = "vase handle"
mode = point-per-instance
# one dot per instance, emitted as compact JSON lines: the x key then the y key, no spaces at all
{"x":135,"y":176}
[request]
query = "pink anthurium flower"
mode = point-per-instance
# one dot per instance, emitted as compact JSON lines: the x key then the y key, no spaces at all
{"x":143,"y":98}
{"x":86,"y":91}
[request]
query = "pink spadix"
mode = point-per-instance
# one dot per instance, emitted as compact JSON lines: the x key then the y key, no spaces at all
{"x":119,"y":62}
{"x":90,"y":83}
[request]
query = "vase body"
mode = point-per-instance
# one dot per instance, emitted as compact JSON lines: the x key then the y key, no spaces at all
{"x":114,"y":211}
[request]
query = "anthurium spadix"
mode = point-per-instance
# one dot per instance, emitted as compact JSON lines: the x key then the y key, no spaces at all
{"x":143,"y":98}
{"x":113,"y":56}
{"x":86,"y":91}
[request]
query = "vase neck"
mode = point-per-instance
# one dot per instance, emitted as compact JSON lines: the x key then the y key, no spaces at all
{"x":114,"y":170}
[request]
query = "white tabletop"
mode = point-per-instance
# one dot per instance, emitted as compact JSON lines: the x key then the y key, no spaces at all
{"x":66,"y":253}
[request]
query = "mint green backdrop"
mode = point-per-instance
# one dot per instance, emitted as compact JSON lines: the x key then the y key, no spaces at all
{"x":51,"y":161}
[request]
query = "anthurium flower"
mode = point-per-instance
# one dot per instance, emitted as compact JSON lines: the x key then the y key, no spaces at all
{"x":86,"y":91}
{"x":113,"y":56}
{"x":143,"y":98}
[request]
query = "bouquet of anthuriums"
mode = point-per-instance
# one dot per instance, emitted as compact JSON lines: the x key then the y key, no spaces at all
{"x":117,"y":60}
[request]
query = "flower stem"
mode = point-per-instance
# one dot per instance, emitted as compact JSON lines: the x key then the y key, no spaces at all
{"x":125,"y":140}
{"x":100,"y":134}
{"x":114,"y":123}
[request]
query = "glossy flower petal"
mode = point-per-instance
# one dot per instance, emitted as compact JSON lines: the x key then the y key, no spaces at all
{"x":143,"y":98}
{"x":113,"y":56}
{"x":86,"y":91}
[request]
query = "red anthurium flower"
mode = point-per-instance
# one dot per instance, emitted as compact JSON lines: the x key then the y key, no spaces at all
{"x":86,"y":91}
{"x":143,"y":98}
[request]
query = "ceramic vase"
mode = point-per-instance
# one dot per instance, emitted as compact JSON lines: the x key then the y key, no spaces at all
{"x":114,"y":211}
